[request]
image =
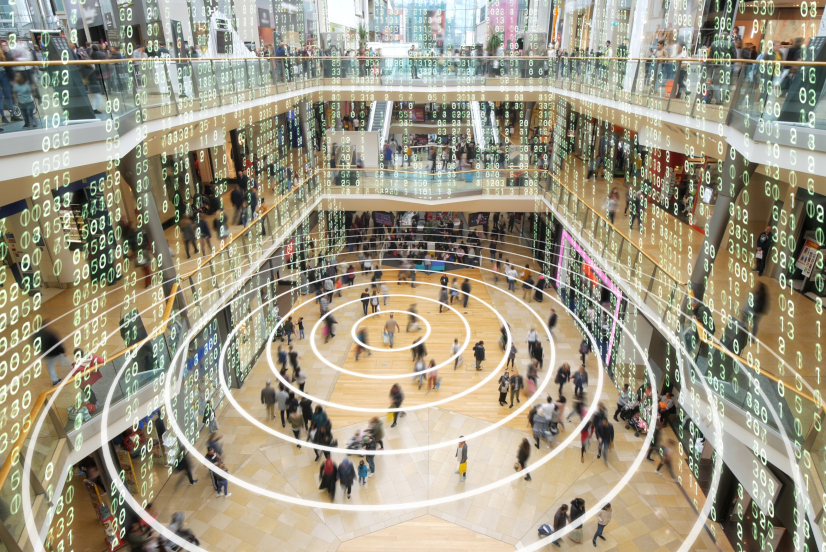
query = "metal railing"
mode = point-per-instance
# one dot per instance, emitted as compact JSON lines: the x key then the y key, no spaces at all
{"x":166,"y":87}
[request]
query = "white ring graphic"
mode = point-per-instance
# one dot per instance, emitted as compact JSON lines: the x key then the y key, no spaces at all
{"x":363,"y":318}
{"x":323,"y":359}
{"x":158,"y":526}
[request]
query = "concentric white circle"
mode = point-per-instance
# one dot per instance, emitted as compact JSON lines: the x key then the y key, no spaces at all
{"x":173,"y":538}
{"x":298,"y":392}
{"x":535,"y":546}
{"x":363,"y":318}
{"x":343,"y":370}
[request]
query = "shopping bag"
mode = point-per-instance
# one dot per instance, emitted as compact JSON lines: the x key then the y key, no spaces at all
{"x":531,"y":389}
{"x":463,"y":468}
{"x":385,"y":338}
{"x":438,"y":383}
{"x":389,"y":416}
{"x":469,"y":177}
{"x":324,"y":331}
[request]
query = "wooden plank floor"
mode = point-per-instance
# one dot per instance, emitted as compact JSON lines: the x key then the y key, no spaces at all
{"x":425,"y":533}
{"x":447,"y":326}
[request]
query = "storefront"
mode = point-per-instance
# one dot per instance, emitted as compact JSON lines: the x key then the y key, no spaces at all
{"x":87,"y":223}
{"x":808,"y":267}
{"x":546,"y":231}
{"x":593,"y":297}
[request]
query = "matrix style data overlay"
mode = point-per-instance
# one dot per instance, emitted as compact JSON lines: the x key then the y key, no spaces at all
{"x":471,"y":274}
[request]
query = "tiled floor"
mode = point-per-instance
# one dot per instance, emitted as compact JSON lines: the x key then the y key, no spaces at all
{"x":650,"y":513}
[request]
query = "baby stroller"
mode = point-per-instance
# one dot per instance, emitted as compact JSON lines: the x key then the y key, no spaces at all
{"x":354,"y":443}
{"x":640,"y":426}
{"x":628,"y":412}
{"x":279,"y":332}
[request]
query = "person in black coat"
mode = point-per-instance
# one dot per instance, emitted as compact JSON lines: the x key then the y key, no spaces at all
{"x":552,"y":320}
{"x":365,"y":300}
{"x":346,"y":475}
{"x":236,"y":197}
{"x":306,"y":411}
{"x":538,"y":353}
{"x":328,"y":475}
{"x":605,"y":436}
{"x":479,"y":354}
{"x":540,"y":285}
{"x":577,"y":511}
{"x":52,"y":348}
{"x":764,"y":245}
{"x":466,"y":291}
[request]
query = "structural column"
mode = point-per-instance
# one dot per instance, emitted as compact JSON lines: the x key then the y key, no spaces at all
{"x":135,"y":171}
{"x":735,"y":176}
{"x":303,"y":118}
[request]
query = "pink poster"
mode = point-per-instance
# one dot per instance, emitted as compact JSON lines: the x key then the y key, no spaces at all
{"x":502,"y":18}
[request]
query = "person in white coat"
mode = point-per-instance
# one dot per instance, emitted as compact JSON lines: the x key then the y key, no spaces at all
{"x":603,"y":518}
{"x":531,"y":339}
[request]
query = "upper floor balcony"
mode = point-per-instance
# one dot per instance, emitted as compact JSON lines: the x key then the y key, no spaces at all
{"x":766,"y":101}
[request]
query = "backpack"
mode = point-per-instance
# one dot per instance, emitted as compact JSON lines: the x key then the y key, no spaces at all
{"x":584,"y":347}
{"x":545,"y":530}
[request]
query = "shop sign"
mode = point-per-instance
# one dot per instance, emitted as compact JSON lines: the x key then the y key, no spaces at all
{"x":808,"y":256}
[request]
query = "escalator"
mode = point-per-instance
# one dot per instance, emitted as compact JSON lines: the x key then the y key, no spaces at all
{"x":483,"y":120}
{"x":380,"y":115}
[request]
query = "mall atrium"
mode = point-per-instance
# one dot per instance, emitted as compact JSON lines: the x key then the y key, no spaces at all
{"x":426,"y":275}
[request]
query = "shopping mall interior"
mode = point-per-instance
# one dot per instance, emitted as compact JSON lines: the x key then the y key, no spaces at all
{"x":412,"y":275}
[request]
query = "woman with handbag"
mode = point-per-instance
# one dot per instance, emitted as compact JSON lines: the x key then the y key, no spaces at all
{"x":374,"y":302}
{"x":461,"y":455}
{"x":504,"y":385}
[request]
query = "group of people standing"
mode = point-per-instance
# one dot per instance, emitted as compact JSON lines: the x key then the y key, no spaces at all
{"x":565,"y":515}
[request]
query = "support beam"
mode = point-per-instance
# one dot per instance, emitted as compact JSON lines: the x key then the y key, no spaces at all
{"x":134,"y":170}
{"x":736,"y":174}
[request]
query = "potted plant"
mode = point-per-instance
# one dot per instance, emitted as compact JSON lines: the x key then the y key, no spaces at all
{"x":494,"y":41}
{"x":362,"y":30}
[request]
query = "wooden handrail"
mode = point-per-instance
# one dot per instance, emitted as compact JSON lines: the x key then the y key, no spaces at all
{"x":623,"y":234}
{"x":42,"y":63}
{"x":204,"y":260}
{"x":41,"y":400}
{"x":709,"y":341}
